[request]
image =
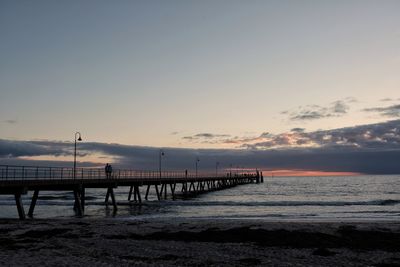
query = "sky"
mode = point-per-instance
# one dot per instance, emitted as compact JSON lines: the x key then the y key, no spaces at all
{"x":275,"y":85}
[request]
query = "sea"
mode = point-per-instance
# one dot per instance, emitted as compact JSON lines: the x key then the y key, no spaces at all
{"x":339,"y":198}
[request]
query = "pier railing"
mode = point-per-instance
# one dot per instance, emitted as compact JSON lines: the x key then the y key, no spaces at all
{"x":15,"y":173}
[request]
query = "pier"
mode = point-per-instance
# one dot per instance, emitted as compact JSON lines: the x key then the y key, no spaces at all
{"x":19,"y":180}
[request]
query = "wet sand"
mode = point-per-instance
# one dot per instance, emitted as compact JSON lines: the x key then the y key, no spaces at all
{"x":190,"y":242}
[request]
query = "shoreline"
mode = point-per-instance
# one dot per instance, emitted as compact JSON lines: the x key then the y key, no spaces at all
{"x":183,"y":242}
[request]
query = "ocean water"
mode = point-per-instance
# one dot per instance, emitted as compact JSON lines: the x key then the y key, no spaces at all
{"x":356,"y":198}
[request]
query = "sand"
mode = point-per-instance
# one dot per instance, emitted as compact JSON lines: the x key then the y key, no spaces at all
{"x":197,"y":242}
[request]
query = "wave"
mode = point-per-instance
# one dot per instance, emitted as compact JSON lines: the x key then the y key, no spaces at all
{"x":385,"y":202}
{"x":64,"y":197}
{"x":65,"y":200}
{"x":390,"y":202}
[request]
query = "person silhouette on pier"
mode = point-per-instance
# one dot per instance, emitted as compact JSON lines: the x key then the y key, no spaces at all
{"x":106,"y":168}
{"x":108,"y":171}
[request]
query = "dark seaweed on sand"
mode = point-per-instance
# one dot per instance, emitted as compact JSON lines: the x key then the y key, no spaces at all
{"x":345,"y":237}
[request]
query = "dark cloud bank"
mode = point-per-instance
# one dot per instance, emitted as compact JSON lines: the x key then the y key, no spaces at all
{"x":371,"y":149}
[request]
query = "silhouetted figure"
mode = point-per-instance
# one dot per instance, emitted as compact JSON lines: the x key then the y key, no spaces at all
{"x":185,"y":173}
{"x":108,"y":171}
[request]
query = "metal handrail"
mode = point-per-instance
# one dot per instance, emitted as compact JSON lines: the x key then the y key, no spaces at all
{"x":17,"y":173}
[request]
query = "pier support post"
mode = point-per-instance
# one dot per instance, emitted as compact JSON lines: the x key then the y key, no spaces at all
{"x":138,"y":194}
{"x":134,"y":194}
{"x":192,"y":186}
{"x":20,"y":207}
{"x":111,"y":193}
{"x":184,"y":187}
{"x":130,"y":193}
{"x":162,"y":189}
{"x":107,"y":196}
{"x":173,"y":190}
{"x":77,"y":205}
{"x":33,"y":203}
{"x":158,"y":193}
{"x":83,"y":199}
{"x":147,"y":192}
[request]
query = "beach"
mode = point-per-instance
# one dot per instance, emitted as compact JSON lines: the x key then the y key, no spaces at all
{"x":325,"y":221}
{"x":197,"y":242}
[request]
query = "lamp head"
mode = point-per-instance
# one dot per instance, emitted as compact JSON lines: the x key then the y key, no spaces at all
{"x":79,"y":136}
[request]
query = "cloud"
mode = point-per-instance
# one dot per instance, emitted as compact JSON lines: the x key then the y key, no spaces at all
{"x":350,"y":100}
{"x":205,"y":137}
{"x":313,"y":112}
{"x":384,"y":135}
{"x":209,"y":135}
{"x":298,"y":130}
{"x":373,"y":149}
{"x":236,"y":140}
{"x":386,"y":99}
{"x":264,"y":134}
{"x":10,"y":148}
{"x":390,"y":111}
{"x":339,"y":107}
{"x":376,"y":161}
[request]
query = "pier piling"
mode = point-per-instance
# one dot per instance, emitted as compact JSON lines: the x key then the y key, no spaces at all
{"x":20,"y":206}
{"x":33,"y":203}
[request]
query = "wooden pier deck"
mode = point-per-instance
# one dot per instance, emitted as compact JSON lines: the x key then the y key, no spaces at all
{"x":19,"y":180}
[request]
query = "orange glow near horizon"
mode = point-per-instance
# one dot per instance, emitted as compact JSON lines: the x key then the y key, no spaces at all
{"x":303,"y":173}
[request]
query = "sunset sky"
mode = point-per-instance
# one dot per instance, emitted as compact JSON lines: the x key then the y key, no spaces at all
{"x":285,"y":86}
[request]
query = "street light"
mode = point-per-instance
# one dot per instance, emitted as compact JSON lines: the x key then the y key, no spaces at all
{"x":161,"y":153}
{"x":197,"y":162}
{"x":216,"y":169}
{"x":77,"y":138}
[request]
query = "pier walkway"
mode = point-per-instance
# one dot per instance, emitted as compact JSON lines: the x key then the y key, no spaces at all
{"x":19,"y":180}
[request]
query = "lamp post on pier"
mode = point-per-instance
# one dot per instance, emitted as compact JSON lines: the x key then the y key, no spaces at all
{"x":160,"y":155}
{"x":77,"y":138}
